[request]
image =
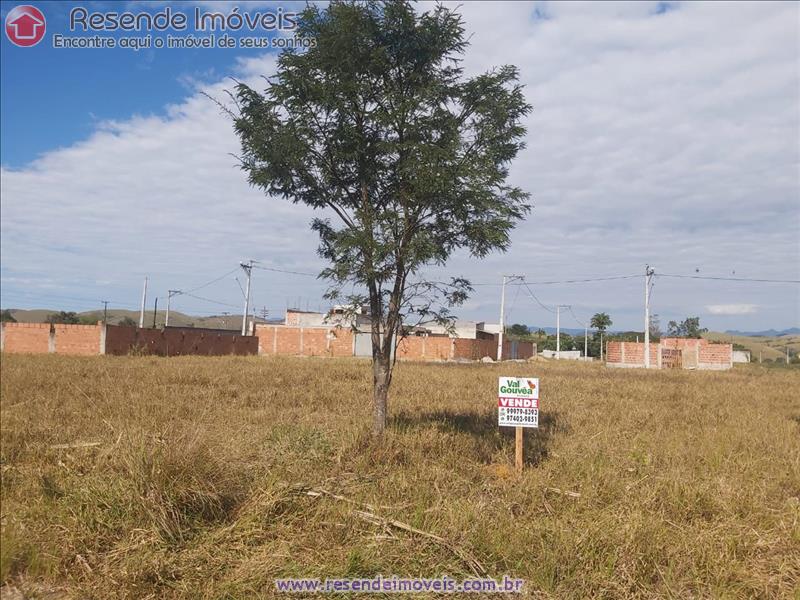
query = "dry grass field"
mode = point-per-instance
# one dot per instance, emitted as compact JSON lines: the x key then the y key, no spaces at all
{"x":209,"y":477}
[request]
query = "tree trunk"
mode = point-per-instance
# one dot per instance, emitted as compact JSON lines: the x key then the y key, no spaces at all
{"x":381,"y":370}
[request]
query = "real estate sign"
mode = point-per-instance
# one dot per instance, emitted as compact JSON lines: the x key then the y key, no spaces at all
{"x":518,"y":402}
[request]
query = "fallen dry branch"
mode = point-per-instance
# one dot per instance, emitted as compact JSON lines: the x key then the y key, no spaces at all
{"x":75,"y":445}
{"x":637,"y":482}
{"x":563,"y":492}
{"x":369,"y":515}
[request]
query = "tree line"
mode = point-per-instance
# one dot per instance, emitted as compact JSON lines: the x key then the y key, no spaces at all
{"x":599,"y":325}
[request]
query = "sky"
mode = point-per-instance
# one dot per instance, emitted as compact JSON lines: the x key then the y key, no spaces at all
{"x":665,"y":134}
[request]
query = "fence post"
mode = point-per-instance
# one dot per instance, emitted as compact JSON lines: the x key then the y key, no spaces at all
{"x":102,"y":338}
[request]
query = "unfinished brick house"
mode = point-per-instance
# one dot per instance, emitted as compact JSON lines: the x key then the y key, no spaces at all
{"x":675,"y":353}
{"x":317,"y":334}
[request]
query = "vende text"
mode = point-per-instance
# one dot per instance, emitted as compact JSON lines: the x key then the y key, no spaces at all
{"x":518,"y":402}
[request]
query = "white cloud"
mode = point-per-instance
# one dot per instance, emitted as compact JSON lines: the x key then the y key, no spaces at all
{"x":669,"y":139}
{"x":731,"y":309}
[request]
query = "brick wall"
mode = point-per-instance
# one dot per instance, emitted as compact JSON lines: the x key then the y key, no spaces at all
{"x":338,"y":341}
{"x":716,"y":356}
{"x":31,"y":338}
{"x":178,"y":341}
{"x":614,"y":352}
{"x":630,"y":354}
{"x":425,"y":348}
{"x":41,"y":338}
{"x":77,"y":339}
{"x":304,"y":341}
{"x":694,"y":353}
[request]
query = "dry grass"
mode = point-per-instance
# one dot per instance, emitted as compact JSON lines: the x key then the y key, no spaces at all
{"x":688,"y":482}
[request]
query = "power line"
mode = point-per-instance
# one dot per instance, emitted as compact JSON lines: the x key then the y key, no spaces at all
{"x":209,"y":300}
{"x":581,"y":323}
{"x":532,"y":295}
{"x":563,"y":281}
{"x":285,"y":271}
{"x":200,"y":287}
{"x":729,"y":278}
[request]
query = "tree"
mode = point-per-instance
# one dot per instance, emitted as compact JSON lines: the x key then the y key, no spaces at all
{"x":63,"y":318}
{"x":689,"y":328}
{"x":376,"y":126}
{"x":655,"y":327}
{"x":127,"y":322}
{"x":518,"y":330}
{"x":7,"y":317}
{"x":601,"y":322}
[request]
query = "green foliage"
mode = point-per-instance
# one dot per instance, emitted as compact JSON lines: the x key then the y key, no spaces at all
{"x":689,"y":328}
{"x":64,"y":318}
{"x":517,"y":330}
{"x":6,"y":316}
{"x":127,"y":322}
{"x":601,"y":321}
{"x":407,"y":160}
{"x":567,"y":343}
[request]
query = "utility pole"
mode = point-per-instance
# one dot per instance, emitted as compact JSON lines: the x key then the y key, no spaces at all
{"x":506,"y":278}
{"x":648,"y":273}
{"x":105,"y":311}
{"x":170,"y":294}
{"x":586,"y":343}
{"x":558,"y":329}
{"x":248,"y":268}
{"x":558,"y":332}
{"x":155,"y":312}
{"x":144,"y":299}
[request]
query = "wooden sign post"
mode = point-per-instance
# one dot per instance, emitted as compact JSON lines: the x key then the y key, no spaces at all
{"x":518,"y":406}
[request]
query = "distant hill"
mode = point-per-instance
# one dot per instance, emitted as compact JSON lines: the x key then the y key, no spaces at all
{"x":766,"y":333}
{"x":768,"y":347}
{"x":116,"y":315}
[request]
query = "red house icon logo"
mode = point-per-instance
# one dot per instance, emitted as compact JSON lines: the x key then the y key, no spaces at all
{"x":25,"y":25}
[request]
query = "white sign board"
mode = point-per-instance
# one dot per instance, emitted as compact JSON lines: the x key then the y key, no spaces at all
{"x":518,"y":402}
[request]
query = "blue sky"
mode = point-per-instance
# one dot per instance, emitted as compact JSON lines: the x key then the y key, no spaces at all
{"x":661,"y":133}
{"x":92,"y":86}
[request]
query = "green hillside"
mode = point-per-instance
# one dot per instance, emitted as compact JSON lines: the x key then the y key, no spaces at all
{"x":768,"y":347}
{"x":117,"y":315}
